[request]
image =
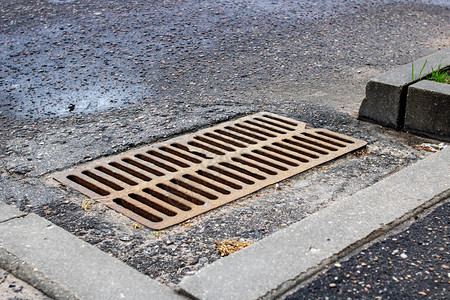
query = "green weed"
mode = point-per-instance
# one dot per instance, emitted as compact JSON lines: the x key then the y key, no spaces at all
{"x":420,"y":74}
{"x":439,"y":75}
{"x":157,"y":234}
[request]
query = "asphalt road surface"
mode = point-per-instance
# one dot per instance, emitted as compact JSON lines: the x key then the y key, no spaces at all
{"x":63,"y":57}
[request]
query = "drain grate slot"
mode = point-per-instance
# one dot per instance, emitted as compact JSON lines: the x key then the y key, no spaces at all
{"x":275,"y":124}
{"x":167,"y":183}
{"x":194,"y":189}
{"x":236,"y":137}
{"x":179,"y":154}
{"x":116,"y":175}
{"x":176,"y":192}
{"x":206,"y":184}
{"x":281,"y":120}
{"x":256,"y":130}
{"x":265,"y":127}
{"x":246,"y":133}
{"x":328,"y":141}
{"x":87,"y":185}
{"x":138,"y":208}
{"x":103,"y":180}
{"x":219,"y":179}
{"x":156,"y":163}
{"x":152,"y":204}
{"x":129,"y":171}
{"x":305,"y":146}
{"x":275,"y":158}
{"x":312,"y":142}
{"x":262,"y":169}
{"x":167,"y":199}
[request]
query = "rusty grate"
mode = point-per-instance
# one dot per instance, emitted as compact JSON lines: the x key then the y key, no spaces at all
{"x":166,"y":183}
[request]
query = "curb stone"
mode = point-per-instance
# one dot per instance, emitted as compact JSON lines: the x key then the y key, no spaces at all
{"x":65,"y":267}
{"x":385,"y":99}
{"x":428,"y":109}
{"x":275,"y":264}
{"x":8,"y":212}
{"x":33,"y":277}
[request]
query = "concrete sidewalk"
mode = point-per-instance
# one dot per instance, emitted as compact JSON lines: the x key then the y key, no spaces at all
{"x":65,"y":267}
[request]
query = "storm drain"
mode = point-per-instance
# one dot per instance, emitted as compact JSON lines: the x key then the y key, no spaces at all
{"x":167,"y":183}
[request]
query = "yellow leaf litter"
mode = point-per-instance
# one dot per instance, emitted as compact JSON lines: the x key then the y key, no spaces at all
{"x":227,"y":247}
{"x":87,"y":204}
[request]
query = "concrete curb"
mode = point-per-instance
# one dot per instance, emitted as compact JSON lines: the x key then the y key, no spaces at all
{"x":65,"y":267}
{"x":35,"y":278}
{"x":8,"y":213}
{"x":428,"y":109}
{"x":385,"y":99}
{"x":282,"y":260}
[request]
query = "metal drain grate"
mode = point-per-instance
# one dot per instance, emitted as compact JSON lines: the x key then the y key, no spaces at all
{"x":166,"y":183}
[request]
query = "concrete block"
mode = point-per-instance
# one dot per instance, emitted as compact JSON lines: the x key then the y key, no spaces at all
{"x":428,"y":109}
{"x":8,"y":212}
{"x":385,"y":99}
{"x":276,"y":263}
{"x":76,"y":267}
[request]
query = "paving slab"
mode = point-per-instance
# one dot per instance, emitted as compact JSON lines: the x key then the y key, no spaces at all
{"x":69,"y":268}
{"x":8,"y":212}
{"x":275,"y":264}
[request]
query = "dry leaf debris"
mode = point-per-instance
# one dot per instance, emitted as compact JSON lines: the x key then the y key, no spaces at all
{"x":137,"y":226}
{"x":86,"y":204}
{"x":228,"y":247}
{"x":431,"y":147}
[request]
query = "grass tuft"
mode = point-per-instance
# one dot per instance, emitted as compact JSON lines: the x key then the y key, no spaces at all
{"x":439,"y":75}
{"x":420,"y":74}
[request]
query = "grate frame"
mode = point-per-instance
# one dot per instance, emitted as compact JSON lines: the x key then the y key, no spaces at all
{"x":166,"y":183}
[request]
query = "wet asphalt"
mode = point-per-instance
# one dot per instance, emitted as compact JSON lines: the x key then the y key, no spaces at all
{"x":61,"y":58}
{"x":411,"y":264}
{"x":81,"y":80}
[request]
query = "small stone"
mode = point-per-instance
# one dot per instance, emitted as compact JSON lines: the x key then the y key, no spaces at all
{"x":125,"y":238}
{"x":403,"y":255}
{"x":337,"y":265}
{"x":422,"y":293}
{"x":17,"y":289}
{"x":332,"y":285}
